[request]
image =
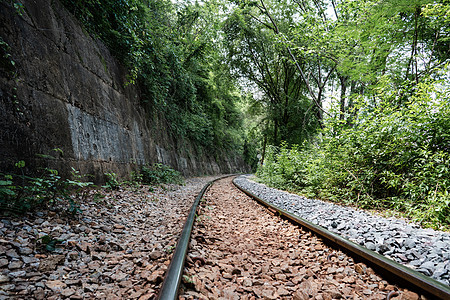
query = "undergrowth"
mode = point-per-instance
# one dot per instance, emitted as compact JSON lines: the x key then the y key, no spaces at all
{"x":159,"y":173}
{"x":391,"y":157}
{"x":20,"y":193}
{"x":148,"y":175}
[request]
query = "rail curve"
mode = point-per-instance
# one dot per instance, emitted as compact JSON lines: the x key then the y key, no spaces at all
{"x":407,"y":276}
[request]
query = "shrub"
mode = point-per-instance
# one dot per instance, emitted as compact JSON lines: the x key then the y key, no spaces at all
{"x":392,"y":157}
{"x":112,"y":182}
{"x":159,"y":173}
{"x":21,"y":193}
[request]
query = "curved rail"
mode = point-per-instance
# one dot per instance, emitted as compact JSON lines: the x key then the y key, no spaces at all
{"x":414,"y":278}
{"x":172,"y":280}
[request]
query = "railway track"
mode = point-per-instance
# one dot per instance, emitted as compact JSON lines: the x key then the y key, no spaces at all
{"x":240,"y":249}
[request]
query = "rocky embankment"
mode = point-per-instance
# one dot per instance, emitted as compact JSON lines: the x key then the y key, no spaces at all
{"x":118,"y":247}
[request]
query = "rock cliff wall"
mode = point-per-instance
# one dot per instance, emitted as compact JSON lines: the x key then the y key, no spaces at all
{"x":65,"y":90}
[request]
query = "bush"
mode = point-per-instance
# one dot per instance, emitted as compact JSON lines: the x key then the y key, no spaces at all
{"x":112,"y":182}
{"x":392,"y":157}
{"x":22,"y":193}
{"x":159,"y":173}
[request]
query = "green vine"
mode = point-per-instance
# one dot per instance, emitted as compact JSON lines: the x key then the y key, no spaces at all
{"x":7,"y":63}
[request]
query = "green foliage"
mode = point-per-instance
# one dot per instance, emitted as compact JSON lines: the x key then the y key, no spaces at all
{"x":250,"y":154}
{"x":281,"y":50}
{"x":49,"y":243}
{"x":171,"y":55}
{"x":136,"y":177}
{"x":391,"y":157}
{"x":159,"y":173}
{"x":148,"y":175}
{"x":7,"y":188}
{"x":7,"y":63}
{"x":112,"y":182}
{"x":401,"y":39}
{"x":21,"y":193}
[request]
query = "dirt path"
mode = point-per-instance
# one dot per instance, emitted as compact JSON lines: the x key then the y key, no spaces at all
{"x":240,"y":250}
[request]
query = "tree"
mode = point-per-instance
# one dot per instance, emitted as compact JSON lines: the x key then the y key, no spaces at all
{"x":396,"y":38}
{"x":254,"y":54}
{"x":393,"y":57}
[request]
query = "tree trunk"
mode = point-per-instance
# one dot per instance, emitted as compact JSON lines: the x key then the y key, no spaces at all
{"x":263,"y":150}
{"x":343,"y":80}
{"x":319,"y":111}
{"x":275,"y":131}
{"x":351,"y":106}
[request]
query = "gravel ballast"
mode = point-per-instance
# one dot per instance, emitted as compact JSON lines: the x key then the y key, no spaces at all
{"x":424,"y":250}
{"x":241,"y":250}
{"x":118,"y":247}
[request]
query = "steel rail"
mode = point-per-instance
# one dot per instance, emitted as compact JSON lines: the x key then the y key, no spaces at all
{"x":172,"y":279}
{"x":414,"y":278}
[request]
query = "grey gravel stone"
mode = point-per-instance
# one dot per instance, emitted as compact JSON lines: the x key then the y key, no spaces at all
{"x":15,"y":264}
{"x":12,"y":253}
{"x":440,"y":272}
{"x":415,"y":263}
{"x":18,"y":274}
{"x":3,"y":262}
{"x":29,"y":259}
{"x":425,"y":271}
{"x":428,"y":265}
{"x":410,"y":243}
{"x":370,"y":246}
{"x":383,"y":248}
{"x":8,"y":287}
{"x":25,"y":250}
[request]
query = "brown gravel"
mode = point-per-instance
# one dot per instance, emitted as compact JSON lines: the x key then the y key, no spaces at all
{"x":118,"y":248}
{"x":241,"y":250}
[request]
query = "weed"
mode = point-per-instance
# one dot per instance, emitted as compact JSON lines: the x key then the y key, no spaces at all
{"x":159,"y":173}
{"x":21,"y":193}
{"x":112,"y":181}
{"x":48,"y":243}
{"x":169,"y":249}
{"x":98,"y":197}
{"x":187,"y":279}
